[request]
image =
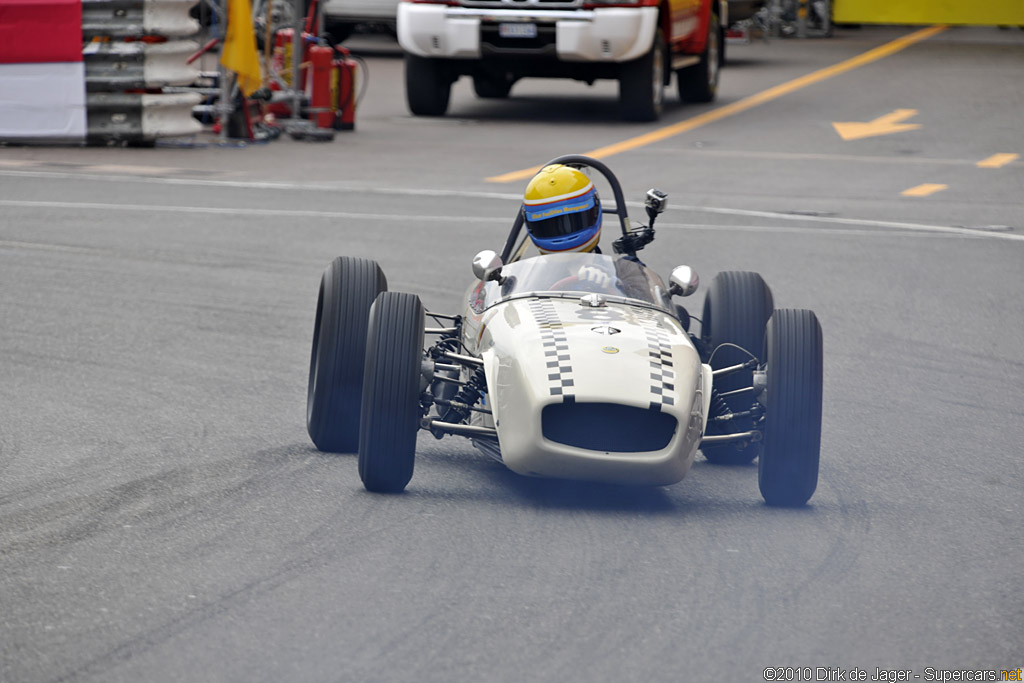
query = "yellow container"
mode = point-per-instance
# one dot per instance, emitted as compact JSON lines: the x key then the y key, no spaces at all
{"x":987,"y":13}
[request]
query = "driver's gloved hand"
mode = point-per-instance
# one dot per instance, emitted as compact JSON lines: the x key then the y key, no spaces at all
{"x":594,"y":276}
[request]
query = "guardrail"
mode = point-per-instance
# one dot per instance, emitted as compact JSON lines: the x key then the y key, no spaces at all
{"x":113,"y":66}
{"x":131,"y":117}
{"x":134,"y":18}
{"x":153,"y":57}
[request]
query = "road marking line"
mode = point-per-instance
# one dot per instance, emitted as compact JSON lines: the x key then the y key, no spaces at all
{"x":924,"y":190}
{"x":746,"y":103}
{"x":998,"y":160}
{"x":884,"y":125}
{"x":920,"y":228}
{"x":246,"y":211}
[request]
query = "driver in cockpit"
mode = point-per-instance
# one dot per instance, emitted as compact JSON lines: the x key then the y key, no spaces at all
{"x":562,"y":213}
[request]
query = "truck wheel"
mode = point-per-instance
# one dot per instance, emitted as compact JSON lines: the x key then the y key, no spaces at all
{"x":391,"y":390}
{"x":787,"y":471}
{"x":642,"y":84}
{"x":736,"y":310}
{"x":427,"y":86}
{"x":699,"y":83}
{"x":347,"y":290}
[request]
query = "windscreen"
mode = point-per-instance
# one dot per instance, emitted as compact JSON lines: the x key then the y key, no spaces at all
{"x":574,"y":275}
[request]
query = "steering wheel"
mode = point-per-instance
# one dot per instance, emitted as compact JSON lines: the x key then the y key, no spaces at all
{"x":566,"y":284}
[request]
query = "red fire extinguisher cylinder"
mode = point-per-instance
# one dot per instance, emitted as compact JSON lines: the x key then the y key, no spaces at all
{"x":320,"y":86}
{"x":346,"y":71}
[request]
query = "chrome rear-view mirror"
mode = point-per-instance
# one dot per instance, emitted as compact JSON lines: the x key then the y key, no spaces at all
{"x":487,"y":265}
{"x":684,"y":281}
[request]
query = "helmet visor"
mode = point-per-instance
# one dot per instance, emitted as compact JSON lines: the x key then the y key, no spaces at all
{"x":565,"y":224}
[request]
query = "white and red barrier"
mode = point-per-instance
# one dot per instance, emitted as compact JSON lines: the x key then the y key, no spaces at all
{"x":42,"y":76}
{"x":47,"y":69}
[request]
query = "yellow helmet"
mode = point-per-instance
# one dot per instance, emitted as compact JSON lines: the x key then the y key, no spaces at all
{"x":562,"y":210}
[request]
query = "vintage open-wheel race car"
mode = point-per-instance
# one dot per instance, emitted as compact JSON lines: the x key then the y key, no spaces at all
{"x":558,"y":375}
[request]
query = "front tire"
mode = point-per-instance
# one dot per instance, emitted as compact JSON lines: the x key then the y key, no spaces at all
{"x":428,"y":86}
{"x":787,"y":471}
{"x":334,"y":393}
{"x":736,"y":310}
{"x":642,"y":84}
{"x":391,"y":390}
{"x":699,"y":83}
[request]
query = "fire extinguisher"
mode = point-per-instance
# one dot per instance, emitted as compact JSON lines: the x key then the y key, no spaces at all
{"x":344,"y":95}
{"x":321,"y":110}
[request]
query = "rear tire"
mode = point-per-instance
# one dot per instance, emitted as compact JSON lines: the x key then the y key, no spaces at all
{"x":699,"y":83}
{"x":334,"y":393}
{"x":428,"y":86}
{"x":787,"y":472}
{"x":736,"y":310}
{"x":642,"y":84}
{"x":391,"y":390}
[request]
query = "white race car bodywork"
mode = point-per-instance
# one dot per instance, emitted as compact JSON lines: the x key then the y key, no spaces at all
{"x":609,"y":392}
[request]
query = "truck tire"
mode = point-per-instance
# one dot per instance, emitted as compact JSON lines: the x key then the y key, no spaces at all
{"x":334,"y":393}
{"x":736,"y":310}
{"x":787,"y":471}
{"x":428,"y":86}
{"x":642,"y":84}
{"x":699,"y":83}
{"x":391,"y":390}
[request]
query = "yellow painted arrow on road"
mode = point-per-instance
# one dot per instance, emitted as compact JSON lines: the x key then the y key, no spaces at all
{"x":883,"y":125}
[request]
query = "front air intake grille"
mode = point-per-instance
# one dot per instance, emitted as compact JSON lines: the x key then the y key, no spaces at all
{"x":607,"y":427}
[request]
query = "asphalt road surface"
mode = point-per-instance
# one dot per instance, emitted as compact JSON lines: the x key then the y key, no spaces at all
{"x":164,"y":516}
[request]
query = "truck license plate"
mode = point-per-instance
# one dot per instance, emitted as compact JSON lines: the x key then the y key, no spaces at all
{"x":517,"y":30}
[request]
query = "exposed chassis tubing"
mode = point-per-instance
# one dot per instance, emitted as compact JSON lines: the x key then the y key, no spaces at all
{"x":440,"y":428}
{"x":614,"y":34}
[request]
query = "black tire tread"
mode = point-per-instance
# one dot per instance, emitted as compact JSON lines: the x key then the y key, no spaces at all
{"x":427,"y":87}
{"x":636,"y":97}
{"x":695,"y":82}
{"x":390,"y":406}
{"x":736,"y":310}
{"x":348,"y":287}
{"x":788,"y":467}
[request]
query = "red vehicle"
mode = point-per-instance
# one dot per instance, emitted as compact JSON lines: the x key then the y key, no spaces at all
{"x":639,"y":43}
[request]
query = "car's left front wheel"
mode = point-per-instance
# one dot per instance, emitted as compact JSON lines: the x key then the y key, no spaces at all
{"x":391,"y":391}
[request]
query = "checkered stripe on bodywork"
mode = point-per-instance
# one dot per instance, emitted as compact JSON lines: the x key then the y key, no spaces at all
{"x":556,"y":349}
{"x":659,"y":355}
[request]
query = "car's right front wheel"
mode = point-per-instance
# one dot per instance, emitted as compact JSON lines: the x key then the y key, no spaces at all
{"x":391,"y":389}
{"x":787,"y":470}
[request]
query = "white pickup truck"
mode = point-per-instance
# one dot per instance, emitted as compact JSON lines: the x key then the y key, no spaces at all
{"x":640,"y":43}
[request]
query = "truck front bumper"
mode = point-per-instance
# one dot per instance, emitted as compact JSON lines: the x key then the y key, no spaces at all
{"x":614,"y":34}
